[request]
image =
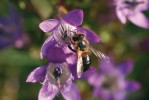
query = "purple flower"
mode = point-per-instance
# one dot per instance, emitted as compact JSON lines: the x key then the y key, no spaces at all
{"x":11,"y":29}
{"x":132,"y":10}
{"x":62,"y":54}
{"x":56,"y":53}
{"x":69,"y":22}
{"x":110,"y":82}
{"x":55,"y":48}
{"x":57,"y":79}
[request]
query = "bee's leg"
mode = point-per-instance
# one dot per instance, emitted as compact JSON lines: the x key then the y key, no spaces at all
{"x":69,"y":46}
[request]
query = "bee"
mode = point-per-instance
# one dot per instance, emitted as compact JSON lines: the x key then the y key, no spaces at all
{"x":78,"y":43}
{"x":83,"y":50}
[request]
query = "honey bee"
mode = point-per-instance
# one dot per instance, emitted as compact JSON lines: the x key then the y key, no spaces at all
{"x":83,"y":50}
{"x":79,"y":44}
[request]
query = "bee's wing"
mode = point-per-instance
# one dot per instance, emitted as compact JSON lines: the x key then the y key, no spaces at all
{"x":100,"y":55}
{"x":79,"y":66}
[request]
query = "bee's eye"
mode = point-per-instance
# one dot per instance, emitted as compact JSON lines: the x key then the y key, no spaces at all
{"x":75,"y":38}
{"x":81,"y":36}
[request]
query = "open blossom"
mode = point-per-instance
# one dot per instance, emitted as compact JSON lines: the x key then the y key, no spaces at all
{"x":132,"y":10}
{"x":57,"y":79}
{"x":55,"y":48}
{"x":110,"y":82}
{"x":12,"y":32}
{"x":70,"y":22}
{"x":62,"y":54}
{"x":58,"y":75}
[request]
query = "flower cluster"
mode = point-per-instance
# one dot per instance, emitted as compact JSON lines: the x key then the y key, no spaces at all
{"x":60,"y":72}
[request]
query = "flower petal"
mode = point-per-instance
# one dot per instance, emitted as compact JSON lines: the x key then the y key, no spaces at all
{"x":119,"y":95}
{"x":46,"y":45}
{"x":120,"y":15}
{"x":73,"y":70}
{"x":74,"y":17}
{"x":71,"y":94}
{"x":105,"y":95}
{"x":37,"y":74}
{"x":106,"y":67}
{"x":49,"y":25}
{"x":126,"y":67}
{"x":72,"y":57}
{"x":132,"y":86}
{"x":96,"y":80}
{"x":96,"y":91}
{"x":57,"y":54}
{"x":140,"y":20}
{"x":90,"y":35}
{"x":142,"y":6}
{"x":47,"y":92}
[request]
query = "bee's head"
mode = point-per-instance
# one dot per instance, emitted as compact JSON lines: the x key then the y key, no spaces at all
{"x":78,"y":37}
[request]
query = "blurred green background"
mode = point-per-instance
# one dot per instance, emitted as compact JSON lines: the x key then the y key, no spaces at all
{"x":122,"y":42}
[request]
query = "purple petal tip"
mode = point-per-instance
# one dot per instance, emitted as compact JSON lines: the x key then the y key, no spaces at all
{"x":37,"y":74}
{"x":49,"y":25}
{"x":133,"y":86}
{"x":74,"y":17}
